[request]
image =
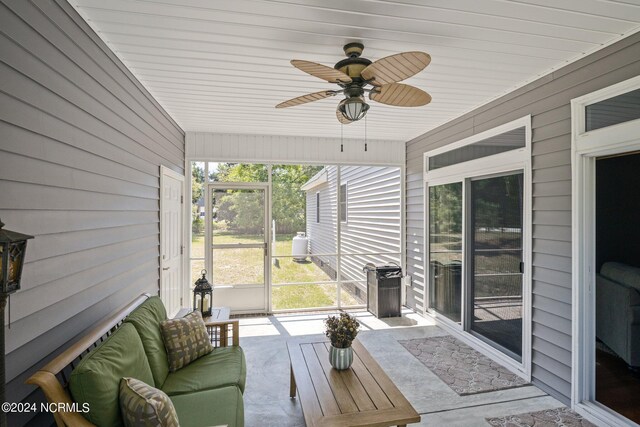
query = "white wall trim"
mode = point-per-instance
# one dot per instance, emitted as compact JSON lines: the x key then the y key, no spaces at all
{"x":513,"y":160}
{"x":241,"y":148}
{"x":585,"y":148}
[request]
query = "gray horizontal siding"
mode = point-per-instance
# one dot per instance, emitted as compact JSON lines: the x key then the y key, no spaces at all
{"x":80,"y":159}
{"x":322,"y":235}
{"x":373,"y":217}
{"x":548,"y":101}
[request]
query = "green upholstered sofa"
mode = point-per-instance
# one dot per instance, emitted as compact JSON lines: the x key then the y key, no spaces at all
{"x":207,"y":392}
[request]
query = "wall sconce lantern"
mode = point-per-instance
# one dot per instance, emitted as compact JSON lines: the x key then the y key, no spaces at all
{"x":203,"y":295}
{"x":12,"y":251}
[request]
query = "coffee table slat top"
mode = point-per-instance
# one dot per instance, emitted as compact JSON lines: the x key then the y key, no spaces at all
{"x":360,"y":396}
{"x":342,"y":395}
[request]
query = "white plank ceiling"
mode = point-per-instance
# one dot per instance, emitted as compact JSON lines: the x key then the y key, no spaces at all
{"x":222,"y":65}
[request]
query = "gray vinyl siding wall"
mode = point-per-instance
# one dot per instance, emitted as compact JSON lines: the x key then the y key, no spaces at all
{"x":373,"y":217}
{"x":80,"y":154}
{"x":322,"y":235}
{"x":548,"y":101}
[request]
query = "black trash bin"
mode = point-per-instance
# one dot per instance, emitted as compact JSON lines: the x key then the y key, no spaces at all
{"x":384,"y":289}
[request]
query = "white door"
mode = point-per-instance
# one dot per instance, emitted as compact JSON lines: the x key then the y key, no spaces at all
{"x":239,"y":247}
{"x":171,"y":234}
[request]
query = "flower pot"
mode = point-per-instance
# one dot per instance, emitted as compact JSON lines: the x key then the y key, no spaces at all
{"x":340,"y":358}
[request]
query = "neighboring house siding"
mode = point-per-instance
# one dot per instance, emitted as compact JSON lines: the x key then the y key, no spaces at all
{"x":80,"y":154}
{"x":322,"y":235}
{"x":373,"y":217}
{"x":548,"y":101}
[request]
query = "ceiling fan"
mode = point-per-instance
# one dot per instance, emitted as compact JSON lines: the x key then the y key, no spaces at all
{"x":357,"y":75}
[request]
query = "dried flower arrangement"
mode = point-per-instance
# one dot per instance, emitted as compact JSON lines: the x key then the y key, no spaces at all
{"x":341,"y":330}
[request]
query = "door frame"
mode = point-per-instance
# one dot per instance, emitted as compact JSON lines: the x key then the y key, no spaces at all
{"x":265,"y":187}
{"x":167,"y":172}
{"x":497,"y":164}
{"x":585,"y":148}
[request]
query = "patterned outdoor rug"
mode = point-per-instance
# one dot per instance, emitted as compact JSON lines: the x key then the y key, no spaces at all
{"x":462,"y":368}
{"x":559,"y":417}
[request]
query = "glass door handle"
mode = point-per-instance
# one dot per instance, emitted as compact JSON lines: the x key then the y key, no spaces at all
{"x":521,"y":267}
{"x":166,"y":268}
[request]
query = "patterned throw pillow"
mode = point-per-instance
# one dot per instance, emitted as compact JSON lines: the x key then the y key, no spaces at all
{"x":186,"y":340}
{"x":144,"y":406}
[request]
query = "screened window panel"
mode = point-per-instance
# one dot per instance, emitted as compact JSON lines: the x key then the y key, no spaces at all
{"x":496,"y":249}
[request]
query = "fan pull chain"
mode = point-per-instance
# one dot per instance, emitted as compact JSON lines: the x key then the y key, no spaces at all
{"x":341,"y":138}
{"x":365,"y":133}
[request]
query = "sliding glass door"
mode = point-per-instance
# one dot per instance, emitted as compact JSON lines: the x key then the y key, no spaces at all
{"x":445,"y":249}
{"x":477,"y":242}
{"x":495,"y":246}
{"x":475,"y":248}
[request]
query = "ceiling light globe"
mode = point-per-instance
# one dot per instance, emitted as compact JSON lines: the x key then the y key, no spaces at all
{"x":353,"y":109}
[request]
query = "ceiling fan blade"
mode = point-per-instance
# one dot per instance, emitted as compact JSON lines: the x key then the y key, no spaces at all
{"x":400,"y":95}
{"x":321,"y":71}
{"x":342,"y":119}
{"x":310,"y":97}
{"x":396,"y":68}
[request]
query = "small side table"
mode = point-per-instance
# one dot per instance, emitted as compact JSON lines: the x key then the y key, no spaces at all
{"x":218,"y":314}
{"x":219,"y":334}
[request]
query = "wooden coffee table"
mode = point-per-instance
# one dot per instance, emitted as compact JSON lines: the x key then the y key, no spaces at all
{"x":362,"y":395}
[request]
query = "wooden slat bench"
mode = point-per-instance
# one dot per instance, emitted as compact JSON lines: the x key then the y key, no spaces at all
{"x":53,"y":378}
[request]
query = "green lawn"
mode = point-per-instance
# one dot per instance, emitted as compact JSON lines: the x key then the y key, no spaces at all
{"x":246,"y":266}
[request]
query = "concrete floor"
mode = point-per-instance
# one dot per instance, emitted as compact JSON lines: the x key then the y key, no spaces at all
{"x":266,"y":397}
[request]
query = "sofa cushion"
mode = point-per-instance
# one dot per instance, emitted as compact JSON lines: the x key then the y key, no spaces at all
{"x":222,"y":406}
{"x":146,"y":319}
{"x":622,"y":273}
{"x":96,"y":379}
{"x":222,"y":367}
{"x":186,"y":339}
{"x":142,"y":405}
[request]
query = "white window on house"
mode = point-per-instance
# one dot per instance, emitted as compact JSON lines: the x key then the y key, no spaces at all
{"x":318,"y":207}
{"x":343,"y":203}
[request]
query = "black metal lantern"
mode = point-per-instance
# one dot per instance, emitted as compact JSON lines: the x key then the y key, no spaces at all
{"x":203,"y":295}
{"x":12,"y":250}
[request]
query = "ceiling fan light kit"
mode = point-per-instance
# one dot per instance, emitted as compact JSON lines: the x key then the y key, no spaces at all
{"x":353,"y":109}
{"x":357,"y":75}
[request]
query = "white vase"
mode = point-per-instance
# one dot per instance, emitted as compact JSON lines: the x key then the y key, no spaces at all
{"x":340,"y":358}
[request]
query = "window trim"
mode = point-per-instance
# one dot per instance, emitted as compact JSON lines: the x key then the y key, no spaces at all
{"x":497,"y":164}
{"x":344,"y":206}
{"x":585,"y":148}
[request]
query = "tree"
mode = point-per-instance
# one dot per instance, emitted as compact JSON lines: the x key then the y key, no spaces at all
{"x":289,"y":201}
{"x":197,"y":195}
